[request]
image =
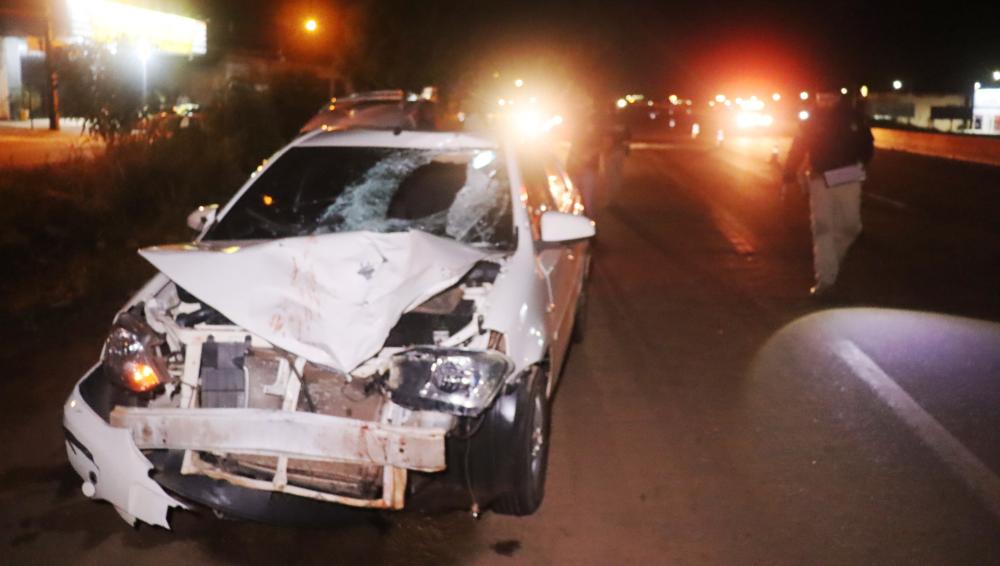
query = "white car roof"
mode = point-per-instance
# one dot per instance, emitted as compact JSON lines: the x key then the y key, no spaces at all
{"x":394,"y":139}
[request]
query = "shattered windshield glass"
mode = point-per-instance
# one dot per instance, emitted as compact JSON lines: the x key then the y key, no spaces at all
{"x":463,"y":195}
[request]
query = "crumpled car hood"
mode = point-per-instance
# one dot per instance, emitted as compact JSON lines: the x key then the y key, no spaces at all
{"x":330,"y":298}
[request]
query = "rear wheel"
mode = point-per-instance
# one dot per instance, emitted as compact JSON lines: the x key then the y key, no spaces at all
{"x":529,"y":444}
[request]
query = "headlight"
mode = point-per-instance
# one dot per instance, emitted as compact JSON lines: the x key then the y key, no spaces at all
{"x":462,"y":382}
{"x":130,"y":355}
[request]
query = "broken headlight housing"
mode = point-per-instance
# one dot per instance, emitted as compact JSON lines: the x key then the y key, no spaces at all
{"x":131,"y":355}
{"x":452,"y":380}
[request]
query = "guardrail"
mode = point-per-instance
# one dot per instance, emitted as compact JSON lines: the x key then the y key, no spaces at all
{"x":977,"y":149}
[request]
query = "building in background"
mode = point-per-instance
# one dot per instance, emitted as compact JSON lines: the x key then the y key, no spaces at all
{"x":986,"y":111}
{"x":22,"y":61}
{"x":152,"y":36}
{"x":938,"y":112}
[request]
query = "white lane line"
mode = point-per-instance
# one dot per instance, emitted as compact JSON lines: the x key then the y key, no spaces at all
{"x":891,"y":202}
{"x":976,"y":475}
{"x":651,"y":145}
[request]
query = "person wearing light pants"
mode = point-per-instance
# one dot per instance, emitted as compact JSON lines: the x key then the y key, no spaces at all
{"x":835,"y":218}
{"x":836,"y":144}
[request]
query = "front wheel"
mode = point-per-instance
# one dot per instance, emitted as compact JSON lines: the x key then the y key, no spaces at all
{"x":530,"y":449}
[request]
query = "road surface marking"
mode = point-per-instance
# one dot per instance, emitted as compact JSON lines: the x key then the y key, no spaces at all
{"x":886,"y":200}
{"x":651,"y":145}
{"x":738,"y":235}
{"x":976,"y":475}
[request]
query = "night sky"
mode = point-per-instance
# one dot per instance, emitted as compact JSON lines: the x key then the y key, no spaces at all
{"x":692,"y":47}
{"x":703,"y":44}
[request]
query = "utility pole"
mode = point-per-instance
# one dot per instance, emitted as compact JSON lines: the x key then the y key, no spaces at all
{"x":50,"y":69}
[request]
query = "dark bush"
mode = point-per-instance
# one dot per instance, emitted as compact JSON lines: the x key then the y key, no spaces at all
{"x":71,"y":229}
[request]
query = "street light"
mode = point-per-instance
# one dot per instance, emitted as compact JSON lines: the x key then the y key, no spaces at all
{"x":864,"y":91}
{"x":143,"y":51}
{"x":897,"y":84}
{"x":996,"y":75}
{"x":804,"y":95}
{"x":311,"y":25}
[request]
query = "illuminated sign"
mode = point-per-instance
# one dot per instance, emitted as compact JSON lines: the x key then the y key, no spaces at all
{"x":102,"y":21}
{"x":986,"y":98}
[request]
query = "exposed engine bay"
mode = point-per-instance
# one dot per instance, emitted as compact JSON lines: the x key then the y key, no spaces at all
{"x":257,"y":416}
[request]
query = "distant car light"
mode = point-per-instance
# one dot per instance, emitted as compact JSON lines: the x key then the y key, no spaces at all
{"x":746,"y":120}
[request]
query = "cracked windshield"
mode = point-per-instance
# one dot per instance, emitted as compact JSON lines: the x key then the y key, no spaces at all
{"x":462,"y":195}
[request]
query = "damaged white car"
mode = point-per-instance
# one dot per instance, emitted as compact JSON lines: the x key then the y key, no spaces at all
{"x":376,"y":320}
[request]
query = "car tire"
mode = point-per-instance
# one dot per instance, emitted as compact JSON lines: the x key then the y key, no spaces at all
{"x":529,"y":444}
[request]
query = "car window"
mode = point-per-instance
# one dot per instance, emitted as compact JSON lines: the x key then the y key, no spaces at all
{"x":563,"y":193}
{"x":536,"y":186}
{"x":463,"y":195}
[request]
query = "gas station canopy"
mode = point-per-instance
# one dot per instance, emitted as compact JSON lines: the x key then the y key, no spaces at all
{"x":102,"y":21}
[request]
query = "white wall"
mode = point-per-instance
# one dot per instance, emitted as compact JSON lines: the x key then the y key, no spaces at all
{"x":986,"y":111}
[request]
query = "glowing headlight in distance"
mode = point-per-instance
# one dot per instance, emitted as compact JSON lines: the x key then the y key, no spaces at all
{"x":130,"y":356}
{"x":461,"y":382}
{"x":528,"y":122}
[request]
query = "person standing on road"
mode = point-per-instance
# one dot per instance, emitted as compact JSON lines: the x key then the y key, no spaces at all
{"x":613,"y":157}
{"x":837,"y":145}
{"x":583,"y":163}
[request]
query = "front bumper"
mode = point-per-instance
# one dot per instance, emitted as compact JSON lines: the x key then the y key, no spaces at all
{"x":113,"y":468}
{"x":111,"y":465}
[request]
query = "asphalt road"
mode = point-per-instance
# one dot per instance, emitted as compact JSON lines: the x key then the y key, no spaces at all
{"x":715,"y":414}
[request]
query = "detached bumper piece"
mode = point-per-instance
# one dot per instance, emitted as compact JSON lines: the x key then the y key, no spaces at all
{"x":111,"y":466}
{"x":280,"y":436}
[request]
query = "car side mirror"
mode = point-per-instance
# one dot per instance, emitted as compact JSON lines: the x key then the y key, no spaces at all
{"x":563,"y":227}
{"x":202,"y":216}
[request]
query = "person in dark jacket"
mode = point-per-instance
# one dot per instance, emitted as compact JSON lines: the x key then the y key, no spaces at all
{"x":835,"y":145}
